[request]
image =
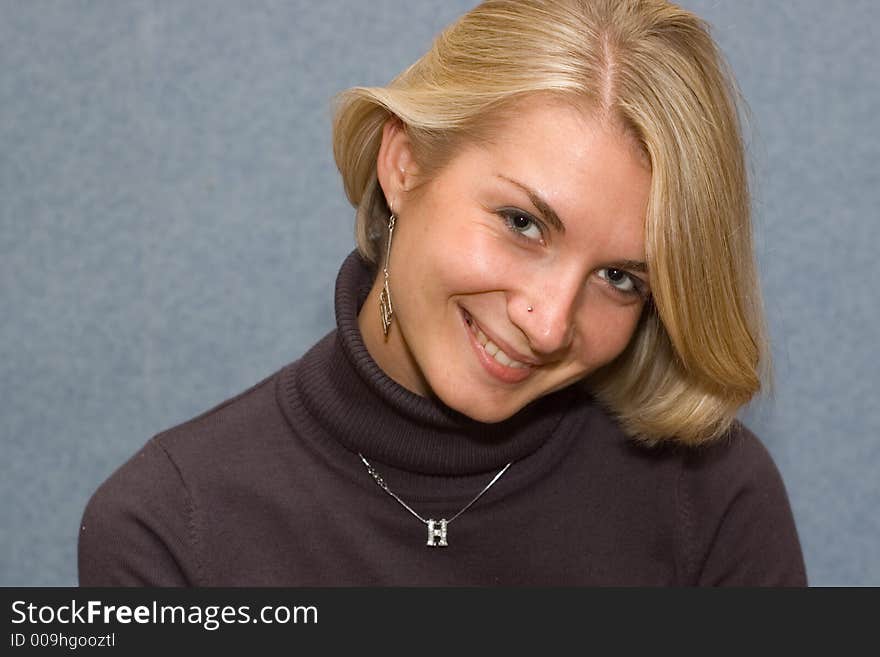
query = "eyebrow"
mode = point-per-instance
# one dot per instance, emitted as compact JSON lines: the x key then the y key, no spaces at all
{"x":630,"y":265}
{"x":542,"y":205}
{"x":554,"y":220}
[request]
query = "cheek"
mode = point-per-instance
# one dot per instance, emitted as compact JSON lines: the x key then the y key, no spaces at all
{"x":607,"y":334}
{"x":472,"y":261}
{"x":456,"y":240}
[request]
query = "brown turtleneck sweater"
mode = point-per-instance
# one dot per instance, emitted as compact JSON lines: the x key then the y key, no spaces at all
{"x":267,"y":489}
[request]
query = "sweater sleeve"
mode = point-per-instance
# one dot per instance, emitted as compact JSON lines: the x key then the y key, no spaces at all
{"x":138,"y":528}
{"x":737,"y":525}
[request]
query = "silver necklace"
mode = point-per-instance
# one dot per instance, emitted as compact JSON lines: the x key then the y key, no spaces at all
{"x":437,"y":536}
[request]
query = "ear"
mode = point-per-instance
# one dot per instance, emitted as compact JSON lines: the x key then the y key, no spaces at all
{"x":395,"y":165}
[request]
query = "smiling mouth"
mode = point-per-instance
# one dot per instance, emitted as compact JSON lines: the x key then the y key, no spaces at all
{"x":491,"y":348}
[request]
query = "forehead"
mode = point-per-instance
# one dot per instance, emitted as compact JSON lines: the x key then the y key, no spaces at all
{"x":543,"y":115}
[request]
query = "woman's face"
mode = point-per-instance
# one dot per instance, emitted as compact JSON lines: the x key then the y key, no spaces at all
{"x":548,"y":216}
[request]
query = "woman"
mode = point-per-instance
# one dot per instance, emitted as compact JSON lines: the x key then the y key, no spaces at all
{"x":543,"y":339}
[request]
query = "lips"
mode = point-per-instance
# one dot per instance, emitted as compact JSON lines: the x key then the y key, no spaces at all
{"x":496,"y":361}
{"x":493,"y":349}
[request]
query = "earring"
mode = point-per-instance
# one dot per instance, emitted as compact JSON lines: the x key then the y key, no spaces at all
{"x":386,"y":311}
{"x":530,"y":309}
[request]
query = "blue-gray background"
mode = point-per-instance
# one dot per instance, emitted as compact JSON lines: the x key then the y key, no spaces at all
{"x":171,"y":223}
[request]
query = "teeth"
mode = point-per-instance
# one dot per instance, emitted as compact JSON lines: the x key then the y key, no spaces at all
{"x":493,"y":350}
{"x":502,"y":358}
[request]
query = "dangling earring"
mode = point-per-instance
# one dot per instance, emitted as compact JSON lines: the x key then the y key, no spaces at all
{"x":386,"y":311}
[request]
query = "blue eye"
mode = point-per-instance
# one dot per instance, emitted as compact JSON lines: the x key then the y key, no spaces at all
{"x":522,"y":223}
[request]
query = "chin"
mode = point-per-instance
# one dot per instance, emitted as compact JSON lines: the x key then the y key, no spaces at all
{"x":491,"y":417}
{"x":483,"y":411}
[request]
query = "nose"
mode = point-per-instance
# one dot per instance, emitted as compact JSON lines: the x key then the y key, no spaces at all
{"x":549,"y":325}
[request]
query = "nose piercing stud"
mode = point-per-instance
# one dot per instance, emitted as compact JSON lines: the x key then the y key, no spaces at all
{"x":530,"y":309}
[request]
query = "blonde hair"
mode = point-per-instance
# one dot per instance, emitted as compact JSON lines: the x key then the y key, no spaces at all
{"x":700,"y":351}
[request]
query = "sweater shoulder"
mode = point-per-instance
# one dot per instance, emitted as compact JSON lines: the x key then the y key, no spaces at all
{"x":145,"y":525}
{"x":739,"y":450}
{"x":250,"y":420}
{"x":136,"y":529}
{"x":737,"y":526}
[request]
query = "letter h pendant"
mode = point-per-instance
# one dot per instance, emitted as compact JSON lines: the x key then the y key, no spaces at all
{"x":437,"y":530}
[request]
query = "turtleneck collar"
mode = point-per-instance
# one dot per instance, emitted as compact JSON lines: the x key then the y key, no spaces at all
{"x":356,"y":403}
